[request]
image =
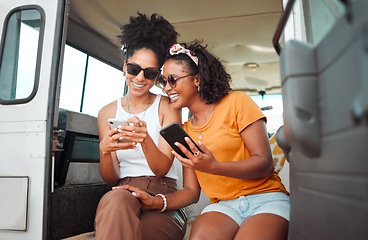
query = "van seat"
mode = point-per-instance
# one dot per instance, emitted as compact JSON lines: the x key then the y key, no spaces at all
{"x":280,"y":161}
{"x":78,"y":185}
{"x":77,"y":162}
{"x":77,"y":122}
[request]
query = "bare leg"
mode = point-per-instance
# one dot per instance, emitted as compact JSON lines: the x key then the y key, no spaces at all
{"x":263,"y":226}
{"x":213,"y":226}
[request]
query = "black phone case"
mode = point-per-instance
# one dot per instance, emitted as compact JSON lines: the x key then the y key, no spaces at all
{"x":175,"y":133}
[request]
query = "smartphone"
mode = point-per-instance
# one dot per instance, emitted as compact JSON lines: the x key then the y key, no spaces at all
{"x":114,"y":123}
{"x":175,"y":133}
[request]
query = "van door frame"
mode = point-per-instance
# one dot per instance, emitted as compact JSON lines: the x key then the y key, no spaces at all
{"x":38,"y":111}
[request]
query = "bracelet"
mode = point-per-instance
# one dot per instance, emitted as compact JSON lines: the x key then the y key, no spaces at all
{"x":165,"y":201}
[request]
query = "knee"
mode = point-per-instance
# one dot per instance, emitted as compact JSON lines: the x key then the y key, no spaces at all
{"x":198,"y":238}
{"x":118,"y":198}
{"x":200,"y":235}
{"x":205,"y":236}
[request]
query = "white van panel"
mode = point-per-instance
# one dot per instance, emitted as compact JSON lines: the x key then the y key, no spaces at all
{"x":23,"y":138}
{"x":14,"y":194}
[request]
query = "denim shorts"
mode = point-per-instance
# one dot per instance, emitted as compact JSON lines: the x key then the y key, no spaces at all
{"x":245,"y":206}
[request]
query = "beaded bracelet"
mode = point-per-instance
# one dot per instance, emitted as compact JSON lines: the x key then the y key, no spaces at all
{"x":165,"y":202}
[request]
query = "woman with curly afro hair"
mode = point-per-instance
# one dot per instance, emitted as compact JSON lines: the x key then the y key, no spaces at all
{"x":233,"y":161}
{"x":135,"y":153}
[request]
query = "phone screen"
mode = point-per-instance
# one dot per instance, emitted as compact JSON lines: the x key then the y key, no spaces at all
{"x":175,"y":133}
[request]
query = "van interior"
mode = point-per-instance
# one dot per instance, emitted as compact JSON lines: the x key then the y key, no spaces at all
{"x":303,"y":62}
{"x":246,"y":50}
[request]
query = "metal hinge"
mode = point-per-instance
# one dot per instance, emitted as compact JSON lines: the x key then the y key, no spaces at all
{"x":56,"y":144}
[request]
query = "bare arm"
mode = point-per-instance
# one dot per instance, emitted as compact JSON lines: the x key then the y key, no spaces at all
{"x":109,"y":165}
{"x":258,"y":165}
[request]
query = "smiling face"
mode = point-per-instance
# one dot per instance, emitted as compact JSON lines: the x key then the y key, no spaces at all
{"x":139,"y":84}
{"x":185,"y":91}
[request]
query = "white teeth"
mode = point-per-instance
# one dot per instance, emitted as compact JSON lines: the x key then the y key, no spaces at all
{"x":174,"y":97}
{"x":137,"y":85}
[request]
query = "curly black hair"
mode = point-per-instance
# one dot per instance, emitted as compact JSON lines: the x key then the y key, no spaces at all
{"x":156,"y":34}
{"x":214,"y":80}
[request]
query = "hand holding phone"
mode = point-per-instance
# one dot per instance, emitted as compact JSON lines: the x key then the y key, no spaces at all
{"x":175,"y":133}
{"x":114,"y":123}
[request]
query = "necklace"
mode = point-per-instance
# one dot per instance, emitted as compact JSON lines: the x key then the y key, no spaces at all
{"x":200,"y":131}
{"x":144,"y":113}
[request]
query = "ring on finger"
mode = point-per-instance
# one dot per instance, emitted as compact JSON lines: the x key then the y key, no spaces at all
{"x":196,"y":154}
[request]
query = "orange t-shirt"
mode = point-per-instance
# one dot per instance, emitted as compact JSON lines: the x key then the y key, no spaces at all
{"x":221,"y":134}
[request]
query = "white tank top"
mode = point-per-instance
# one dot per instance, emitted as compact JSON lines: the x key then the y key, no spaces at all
{"x":133,"y":162}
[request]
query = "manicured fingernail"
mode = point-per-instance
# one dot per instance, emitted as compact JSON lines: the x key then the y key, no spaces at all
{"x":186,"y":138}
{"x":172,"y":152}
{"x":199,"y":142}
{"x":176,"y":143}
{"x":134,"y":194}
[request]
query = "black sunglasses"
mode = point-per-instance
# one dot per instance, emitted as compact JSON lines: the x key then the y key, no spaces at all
{"x":171,"y":80}
{"x":149,"y":73}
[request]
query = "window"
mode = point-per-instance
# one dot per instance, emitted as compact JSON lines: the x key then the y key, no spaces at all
{"x":72,"y":79}
{"x":104,"y":84}
{"x":88,"y":84}
{"x":272,"y":108}
{"x":307,"y":21}
{"x":320,"y":17}
{"x":20,"y":56}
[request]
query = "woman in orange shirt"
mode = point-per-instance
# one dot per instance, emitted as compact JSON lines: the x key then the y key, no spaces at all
{"x":235,"y":168}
